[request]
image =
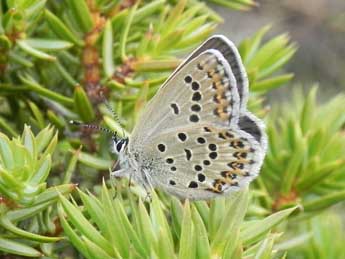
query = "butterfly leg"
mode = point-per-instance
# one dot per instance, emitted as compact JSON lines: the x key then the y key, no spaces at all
{"x":119,"y":173}
{"x":148,"y":196}
{"x":146,"y":183}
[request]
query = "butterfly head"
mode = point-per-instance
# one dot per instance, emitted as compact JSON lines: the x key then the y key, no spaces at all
{"x":119,"y":144}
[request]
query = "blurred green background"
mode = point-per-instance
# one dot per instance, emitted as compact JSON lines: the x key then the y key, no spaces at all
{"x":318,"y":28}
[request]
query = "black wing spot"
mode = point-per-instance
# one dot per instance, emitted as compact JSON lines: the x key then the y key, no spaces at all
{"x":206,"y":162}
{"x":182,"y":136}
{"x":201,"y":140}
{"x":221,"y":135}
{"x":169,"y":160}
{"x":188,"y":154}
{"x":212,"y":147}
{"x":228,"y":174}
{"x":193,"y":184}
{"x":236,"y":165}
{"x":172,"y":182}
{"x":196,"y":96}
{"x":188,"y":79}
{"x":194,"y":118}
{"x":236,"y":144}
{"x":198,"y":168}
{"x":213,"y":155}
{"x":218,"y":185}
{"x":195,"y":107}
{"x":201,"y":177}
{"x":175,"y":108}
{"x":229,"y":135}
{"x":173,"y":168}
{"x":161,"y":147}
{"x":217,"y":98}
{"x":216,"y":112}
{"x":195,"y":86}
{"x":243,"y":155}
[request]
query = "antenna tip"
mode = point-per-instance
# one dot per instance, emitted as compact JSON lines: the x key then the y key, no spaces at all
{"x":74,"y":122}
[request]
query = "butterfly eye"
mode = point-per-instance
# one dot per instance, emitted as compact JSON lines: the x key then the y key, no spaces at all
{"x":119,"y":146}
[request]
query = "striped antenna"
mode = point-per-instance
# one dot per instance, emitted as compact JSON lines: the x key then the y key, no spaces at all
{"x":115,"y":116}
{"x":107,"y":104}
{"x":92,"y":126}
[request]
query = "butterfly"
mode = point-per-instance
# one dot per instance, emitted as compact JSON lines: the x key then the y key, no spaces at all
{"x":195,"y":138}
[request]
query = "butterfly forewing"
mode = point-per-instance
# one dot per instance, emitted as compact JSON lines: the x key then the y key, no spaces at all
{"x":232,"y":56}
{"x":204,"y":90}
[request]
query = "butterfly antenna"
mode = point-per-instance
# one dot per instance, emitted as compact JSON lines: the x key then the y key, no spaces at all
{"x":115,"y":116}
{"x":92,"y":126}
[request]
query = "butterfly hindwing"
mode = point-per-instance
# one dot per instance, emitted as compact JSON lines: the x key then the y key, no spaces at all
{"x":204,"y":161}
{"x":249,"y":123}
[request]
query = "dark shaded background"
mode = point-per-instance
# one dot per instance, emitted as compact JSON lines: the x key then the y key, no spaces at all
{"x":318,"y":27}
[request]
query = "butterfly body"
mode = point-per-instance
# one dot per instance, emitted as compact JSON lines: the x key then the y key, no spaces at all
{"x":195,"y":138}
